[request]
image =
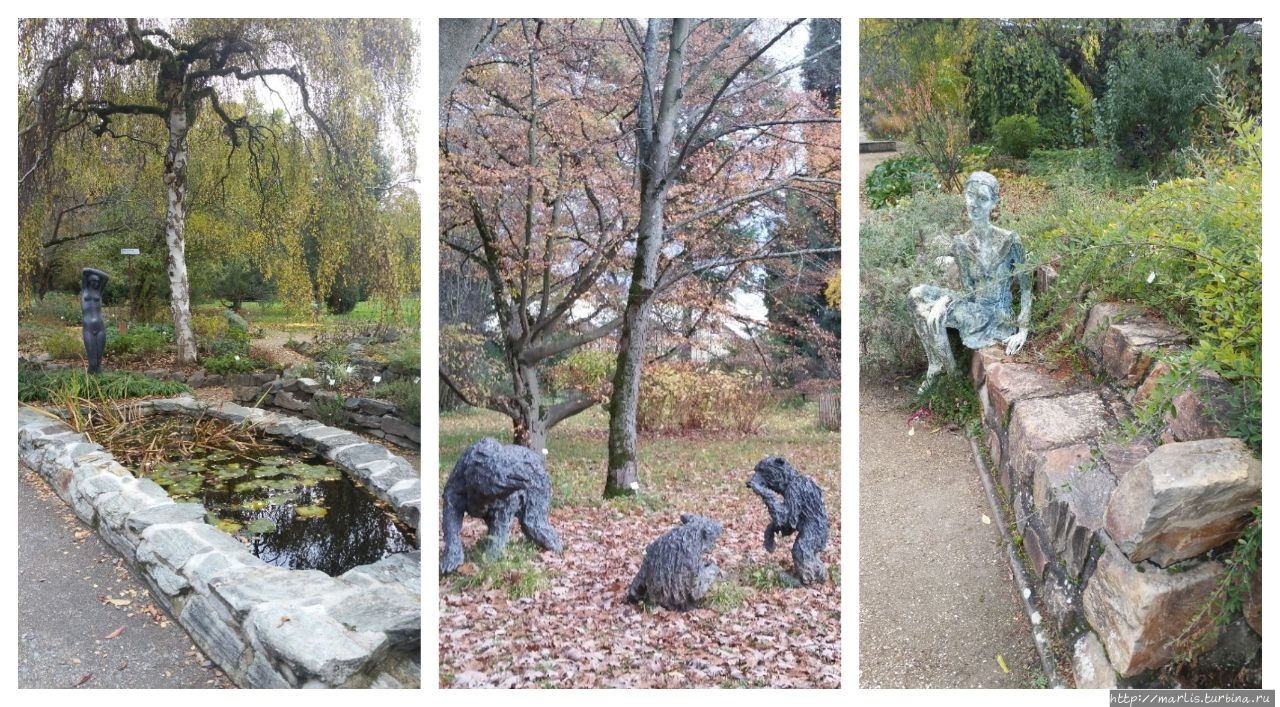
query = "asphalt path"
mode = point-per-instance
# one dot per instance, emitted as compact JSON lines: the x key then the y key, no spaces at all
{"x":84,"y":619}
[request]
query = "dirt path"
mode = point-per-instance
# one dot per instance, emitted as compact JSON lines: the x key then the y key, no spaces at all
{"x":938,"y":602}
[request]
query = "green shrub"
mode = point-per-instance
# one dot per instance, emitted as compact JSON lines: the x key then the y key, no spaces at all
{"x":37,"y":385}
{"x":406,"y":360}
{"x":329,"y":410}
{"x":1189,"y":249}
{"x":58,"y":306}
{"x":897,"y":250}
{"x":1017,"y":135}
{"x":1015,"y":71}
{"x":63,"y":345}
{"x":896,"y":178}
{"x":405,"y":394}
{"x":140,"y":341}
{"x":231,"y":363}
{"x":217,"y":336}
{"x":1153,"y":95}
{"x":589,"y":371}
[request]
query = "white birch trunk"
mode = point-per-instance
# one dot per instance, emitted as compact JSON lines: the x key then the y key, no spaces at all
{"x":175,"y":179}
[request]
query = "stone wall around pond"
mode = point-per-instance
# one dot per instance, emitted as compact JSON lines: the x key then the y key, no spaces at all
{"x":265,"y":626}
{"x":1119,"y":534}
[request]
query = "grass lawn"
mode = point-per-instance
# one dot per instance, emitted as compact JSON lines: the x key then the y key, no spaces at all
{"x":540,"y":619}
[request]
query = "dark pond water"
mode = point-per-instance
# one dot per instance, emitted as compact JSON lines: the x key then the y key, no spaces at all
{"x":291,"y":509}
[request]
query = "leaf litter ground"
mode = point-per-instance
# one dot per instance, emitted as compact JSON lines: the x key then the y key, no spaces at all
{"x":576,"y":629}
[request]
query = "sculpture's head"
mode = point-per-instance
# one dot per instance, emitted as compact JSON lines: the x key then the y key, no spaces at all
{"x":774,"y":473}
{"x":981,"y":192}
{"x":708,"y":530}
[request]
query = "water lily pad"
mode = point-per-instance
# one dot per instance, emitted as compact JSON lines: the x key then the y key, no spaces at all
{"x":265,"y":471}
{"x":272,"y":461}
{"x":256,"y":504}
{"x":186,"y":486}
{"x":311,"y":511}
{"x":228,"y":526}
{"x":316,"y":472}
{"x":261,"y":525}
{"x":228,"y":472}
{"x":249,"y":486}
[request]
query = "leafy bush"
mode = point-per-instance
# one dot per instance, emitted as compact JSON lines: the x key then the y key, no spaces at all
{"x":405,"y":394}
{"x":63,"y":345}
{"x":216,"y":335}
{"x":38,"y":385}
{"x":60,"y":306}
{"x":1153,"y":95}
{"x":404,"y":358}
{"x":140,"y":341}
{"x":939,"y":129}
{"x":680,"y":398}
{"x":1189,"y":249}
{"x":589,"y":371}
{"x":329,"y":410}
{"x":897,"y":250}
{"x":896,"y":178}
{"x":1017,"y":135}
{"x":231,"y":363}
{"x":1015,"y":71}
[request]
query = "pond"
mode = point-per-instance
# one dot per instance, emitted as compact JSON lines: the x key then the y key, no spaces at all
{"x":290,"y":508}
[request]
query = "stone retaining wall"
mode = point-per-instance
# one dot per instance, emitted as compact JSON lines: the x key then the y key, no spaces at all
{"x":265,"y":626}
{"x":1118,"y":534}
{"x":305,"y":396}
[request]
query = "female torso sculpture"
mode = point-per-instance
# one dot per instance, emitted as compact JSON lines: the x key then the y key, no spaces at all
{"x":93,"y":283}
{"x":989,"y":259}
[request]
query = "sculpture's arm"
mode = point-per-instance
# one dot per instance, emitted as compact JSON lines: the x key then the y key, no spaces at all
{"x":1018,"y":260}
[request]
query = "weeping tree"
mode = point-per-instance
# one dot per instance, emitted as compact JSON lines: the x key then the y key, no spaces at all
{"x":80,"y":80}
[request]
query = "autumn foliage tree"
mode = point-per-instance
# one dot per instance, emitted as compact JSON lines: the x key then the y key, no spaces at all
{"x":540,"y":167}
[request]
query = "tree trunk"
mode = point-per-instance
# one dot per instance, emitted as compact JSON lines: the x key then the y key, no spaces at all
{"x":460,"y":40}
{"x":528,"y":413}
{"x":175,"y":178}
{"x":657,"y":131}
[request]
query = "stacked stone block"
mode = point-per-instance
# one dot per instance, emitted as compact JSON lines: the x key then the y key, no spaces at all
{"x":264,"y":626}
{"x":1118,"y":533}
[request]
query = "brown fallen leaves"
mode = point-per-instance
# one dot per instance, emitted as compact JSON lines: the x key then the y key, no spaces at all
{"x":578,"y":631}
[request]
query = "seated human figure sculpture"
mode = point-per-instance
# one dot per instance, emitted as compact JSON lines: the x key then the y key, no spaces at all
{"x":499,"y":483}
{"x":990,"y":260}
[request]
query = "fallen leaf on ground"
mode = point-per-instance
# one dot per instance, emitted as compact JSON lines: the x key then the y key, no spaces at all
{"x":114,"y":634}
{"x":1000,"y":660}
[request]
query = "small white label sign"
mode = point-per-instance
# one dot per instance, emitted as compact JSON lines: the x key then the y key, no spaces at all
{"x":130,"y":251}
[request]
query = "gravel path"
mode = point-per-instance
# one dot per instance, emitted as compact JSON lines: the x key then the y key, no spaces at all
{"x":938,"y":602}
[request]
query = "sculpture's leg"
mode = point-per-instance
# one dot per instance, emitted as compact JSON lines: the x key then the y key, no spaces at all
{"x":499,"y":521}
{"x":930,"y":308}
{"x":809,"y":569}
{"x":451,"y":519}
{"x":706,"y":577}
{"x":536,"y":526}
